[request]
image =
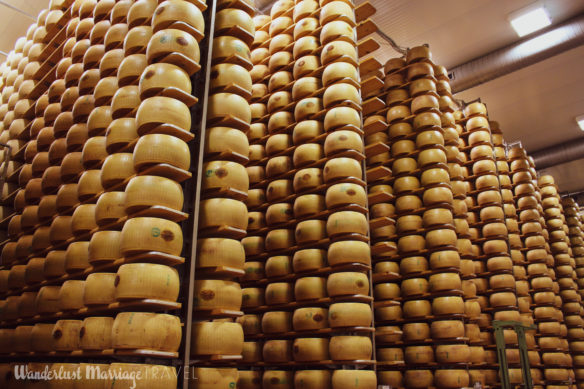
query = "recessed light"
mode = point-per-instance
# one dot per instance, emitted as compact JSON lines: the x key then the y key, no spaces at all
{"x":580,"y":121}
{"x":530,"y":19}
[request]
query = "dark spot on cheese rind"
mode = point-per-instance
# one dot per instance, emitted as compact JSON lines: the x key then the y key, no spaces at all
{"x":181,"y":41}
{"x":207,"y":294}
{"x":167,"y":235}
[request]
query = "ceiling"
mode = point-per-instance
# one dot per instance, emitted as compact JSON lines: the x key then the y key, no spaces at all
{"x":536,"y":105}
{"x":13,"y":24}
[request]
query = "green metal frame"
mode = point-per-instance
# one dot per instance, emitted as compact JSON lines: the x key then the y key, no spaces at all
{"x":519,"y":328}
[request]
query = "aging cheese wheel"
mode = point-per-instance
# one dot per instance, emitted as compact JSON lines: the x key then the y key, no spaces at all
{"x":110,"y":207}
{"x":350,"y":315}
{"x":41,"y":337}
{"x":310,"y":288}
{"x":71,"y":295}
{"x":274,"y":322}
{"x":213,"y":252}
{"x":220,"y":212}
{"x":147,"y":281}
{"x":138,"y":330}
{"x":342,"y":252}
{"x":214,"y":378}
{"x":277,"y":379}
{"x":277,"y":351}
{"x":305,"y":319}
{"x":347,"y":348}
{"x":252,"y":297}
{"x":99,"y":289}
{"x":278,"y":266}
{"x":451,"y":378}
{"x":77,"y":257}
{"x":66,"y":335}
{"x":416,"y":331}
{"x":347,"y":283}
{"x":214,"y":294}
{"x":312,"y":379}
{"x":151,"y":234}
{"x":310,"y":349}
{"x":147,"y":191}
{"x":308,"y":205}
{"x":310,"y":231}
{"x":354,"y":379}
{"x":166,"y":376}
{"x":96,"y":333}
{"x":104,"y":246}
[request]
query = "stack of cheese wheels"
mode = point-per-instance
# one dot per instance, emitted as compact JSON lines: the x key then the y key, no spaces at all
{"x":223,"y":212}
{"x":541,"y":267}
{"x":565,"y":270}
{"x":427,"y":237}
{"x":456,"y":160}
{"x":487,"y":235}
{"x":378,"y":136}
{"x":524,"y":298}
{"x":571,"y":211}
{"x":257,"y":54}
{"x":347,"y":224}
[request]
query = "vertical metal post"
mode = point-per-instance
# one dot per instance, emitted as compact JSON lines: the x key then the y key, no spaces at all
{"x":524,"y":356}
{"x":200,"y":141}
{"x":502,"y":357}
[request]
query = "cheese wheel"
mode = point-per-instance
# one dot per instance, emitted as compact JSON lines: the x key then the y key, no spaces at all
{"x":47,"y":300}
{"x":225,"y":174}
{"x":110,"y":207}
{"x":341,"y":168}
{"x":77,"y":257}
{"x":155,"y":149}
{"x":99,"y":289}
{"x":139,"y":330}
{"x":278,"y":379}
{"x":278,"y":266}
{"x":354,"y":379}
{"x":452,"y":353}
{"x":71,"y":295}
{"x":151,"y":234}
{"x":251,"y":324}
{"x":347,"y":283}
{"x":252,"y":297}
{"x":279,"y":293}
{"x":310,"y":231}
{"x":451,"y":378}
{"x":306,"y":205}
{"x":34,"y":271}
{"x":254,"y":270}
{"x":83,"y":220}
{"x":387,"y":291}
{"x":212,"y":378}
{"x":96,"y":333}
{"x":66,"y":335}
{"x":279,"y":239}
{"x":277,"y":351}
{"x":312,"y":379}
{"x":347,"y":222}
{"x":347,"y":348}
{"x":22,"y":339}
{"x":310,"y":288}
{"x":445,"y":281}
{"x":447,"y":305}
{"x":104,"y":246}
{"x":215,"y":294}
{"x":42,"y":337}
{"x":310,"y":349}
{"x":148,"y":281}
{"x":249,"y":379}
{"x":213,"y":252}
{"x":274,"y":322}
{"x":305,"y":319}
{"x":221,"y":212}
{"x":342,"y":252}
{"x":350,"y":315}
{"x":416,"y":332}
{"x":147,"y":191}
{"x":166,"y":376}
{"x":416,"y":308}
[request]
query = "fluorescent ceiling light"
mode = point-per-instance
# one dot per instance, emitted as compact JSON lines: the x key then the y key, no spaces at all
{"x":580,"y":121}
{"x":526,"y":22}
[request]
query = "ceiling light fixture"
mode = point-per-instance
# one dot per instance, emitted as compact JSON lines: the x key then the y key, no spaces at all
{"x":580,"y":121}
{"x":530,"y":19}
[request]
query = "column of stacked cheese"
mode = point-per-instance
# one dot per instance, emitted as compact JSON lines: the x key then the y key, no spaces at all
{"x":17,"y":252}
{"x":524,"y":298}
{"x":223,"y":214}
{"x":546,"y":310}
{"x":489,"y":234}
{"x":433,"y":305}
{"x":576,"y":242}
{"x":389,"y":353}
{"x":343,"y":174}
{"x":256,"y":201}
{"x":564,"y":269}
{"x":455,"y":157}
{"x":272,"y":74}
